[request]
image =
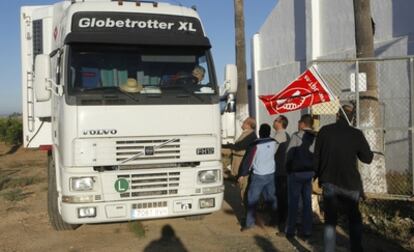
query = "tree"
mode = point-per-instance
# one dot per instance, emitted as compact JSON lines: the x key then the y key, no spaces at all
{"x":242,"y":109}
{"x":11,"y":131}
{"x":373,"y":175}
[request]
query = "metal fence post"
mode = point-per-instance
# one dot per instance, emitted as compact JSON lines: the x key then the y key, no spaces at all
{"x":357,"y":93}
{"x":411,"y":120}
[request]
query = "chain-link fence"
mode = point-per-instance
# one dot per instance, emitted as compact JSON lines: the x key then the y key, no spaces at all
{"x":382,"y":93}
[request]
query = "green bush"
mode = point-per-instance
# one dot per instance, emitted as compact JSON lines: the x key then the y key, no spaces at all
{"x":11,"y":131}
{"x":3,"y":128}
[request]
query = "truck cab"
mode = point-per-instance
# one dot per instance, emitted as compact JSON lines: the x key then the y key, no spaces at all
{"x":123,"y":96}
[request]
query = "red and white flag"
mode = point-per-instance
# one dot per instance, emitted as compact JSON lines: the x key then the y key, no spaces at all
{"x":307,"y":90}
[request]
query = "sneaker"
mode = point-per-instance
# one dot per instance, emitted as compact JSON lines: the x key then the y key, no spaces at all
{"x":289,"y":235}
{"x":305,"y":237}
{"x":272,"y":222}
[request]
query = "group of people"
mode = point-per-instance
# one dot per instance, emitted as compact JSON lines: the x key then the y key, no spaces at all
{"x":278,"y":171}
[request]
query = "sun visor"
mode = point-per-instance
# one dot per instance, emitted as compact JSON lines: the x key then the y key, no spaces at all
{"x":135,"y":39}
{"x":136,"y":28}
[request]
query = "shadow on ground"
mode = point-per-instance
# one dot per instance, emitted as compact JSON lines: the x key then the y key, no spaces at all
{"x":371,"y":241}
{"x":265,"y":244}
{"x":12,"y":150}
{"x":168,"y":242}
{"x":232,"y":197}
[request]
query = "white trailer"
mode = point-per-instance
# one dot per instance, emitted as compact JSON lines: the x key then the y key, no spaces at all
{"x":108,"y":91}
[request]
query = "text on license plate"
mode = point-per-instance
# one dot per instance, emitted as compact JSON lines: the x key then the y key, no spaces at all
{"x":149,"y":212}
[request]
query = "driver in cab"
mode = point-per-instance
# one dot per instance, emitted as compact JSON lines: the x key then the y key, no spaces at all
{"x":194,"y":77}
{"x":198,"y":74}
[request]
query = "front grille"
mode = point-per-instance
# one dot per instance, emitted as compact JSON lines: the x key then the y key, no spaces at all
{"x":149,"y":149}
{"x":149,"y":205}
{"x":155,"y":166}
{"x":152,"y":184}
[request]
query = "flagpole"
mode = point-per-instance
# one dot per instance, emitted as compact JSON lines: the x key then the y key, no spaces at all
{"x":321,"y":80}
{"x":346,"y":117}
{"x":318,"y":75}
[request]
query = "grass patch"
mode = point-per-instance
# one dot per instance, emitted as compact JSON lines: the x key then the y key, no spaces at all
{"x":16,"y":164}
{"x":3,"y":181}
{"x":14,"y":195}
{"x":394,"y":219}
{"x":9,"y":182}
{"x":137,"y":228}
{"x":20,"y":182}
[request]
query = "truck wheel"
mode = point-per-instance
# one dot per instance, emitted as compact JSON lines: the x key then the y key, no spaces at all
{"x":52,"y":200}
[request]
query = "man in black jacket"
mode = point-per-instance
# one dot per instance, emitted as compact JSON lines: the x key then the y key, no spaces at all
{"x":337,"y":148}
{"x":299,"y":166}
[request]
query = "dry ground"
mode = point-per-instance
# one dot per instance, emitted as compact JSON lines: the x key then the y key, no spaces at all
{"x":24,"y":222}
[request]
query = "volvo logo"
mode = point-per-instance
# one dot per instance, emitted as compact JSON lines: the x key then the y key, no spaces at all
{"x":100,"y":132}
{"x":149,"y":150}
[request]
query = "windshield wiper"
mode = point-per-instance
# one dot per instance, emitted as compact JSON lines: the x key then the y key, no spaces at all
{"x":128,"y":95}
{"x":187,"y":91}
{"x":97,"y":89}
{"x":105,"y":95}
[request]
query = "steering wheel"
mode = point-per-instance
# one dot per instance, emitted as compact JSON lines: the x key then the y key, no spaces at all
{"x":186,"y":80}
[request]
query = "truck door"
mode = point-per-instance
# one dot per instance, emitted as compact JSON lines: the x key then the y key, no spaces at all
{"x":36,"y":32}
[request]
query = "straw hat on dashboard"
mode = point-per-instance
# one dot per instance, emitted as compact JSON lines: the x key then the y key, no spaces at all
{"x":131,"y":86}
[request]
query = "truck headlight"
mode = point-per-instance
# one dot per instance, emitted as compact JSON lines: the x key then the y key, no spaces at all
{"x":82,"y":183}
{"x":208,"y":176}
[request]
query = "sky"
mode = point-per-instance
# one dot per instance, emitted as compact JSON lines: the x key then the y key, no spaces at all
{"x":217,"y":17}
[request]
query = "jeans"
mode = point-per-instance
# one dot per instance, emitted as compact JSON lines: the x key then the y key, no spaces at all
{"x":260,"y":184}
{"x":333,"y":201}
{"x":299,"y":185}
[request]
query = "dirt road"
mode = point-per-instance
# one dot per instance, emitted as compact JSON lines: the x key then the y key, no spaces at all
{"x":24,"y":222}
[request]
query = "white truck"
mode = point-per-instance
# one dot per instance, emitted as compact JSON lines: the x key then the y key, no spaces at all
{"x":109,"y":91}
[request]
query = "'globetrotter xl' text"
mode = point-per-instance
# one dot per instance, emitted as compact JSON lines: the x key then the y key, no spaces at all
{"x":128,"y":23}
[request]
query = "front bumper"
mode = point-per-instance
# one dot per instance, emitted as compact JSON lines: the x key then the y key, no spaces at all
{"x":141,"y":209}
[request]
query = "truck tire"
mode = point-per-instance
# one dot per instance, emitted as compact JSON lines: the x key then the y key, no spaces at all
{"x":55,"y":218}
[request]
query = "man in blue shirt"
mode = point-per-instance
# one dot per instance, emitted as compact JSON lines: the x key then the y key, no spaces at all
{"x":260,"y":163}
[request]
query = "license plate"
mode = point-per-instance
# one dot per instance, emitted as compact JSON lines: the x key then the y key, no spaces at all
{"x":149,"y":212}
{"x":183,"y":205}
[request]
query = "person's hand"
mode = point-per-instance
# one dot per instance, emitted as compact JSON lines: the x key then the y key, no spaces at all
{"x":240,"y":179}
{"x":195,"y":79}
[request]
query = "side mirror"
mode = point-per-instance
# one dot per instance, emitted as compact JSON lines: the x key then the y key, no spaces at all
{"x":42,"y":74}
{"x":230,"y":79}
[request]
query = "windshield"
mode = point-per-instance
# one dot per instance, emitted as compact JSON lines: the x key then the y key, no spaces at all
{"x":134,"y":72}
